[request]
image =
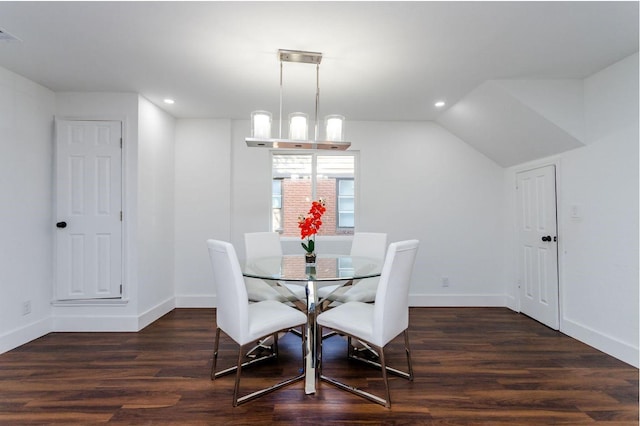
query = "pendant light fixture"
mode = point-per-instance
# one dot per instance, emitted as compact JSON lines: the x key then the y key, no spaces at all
{"x":298,"y":137}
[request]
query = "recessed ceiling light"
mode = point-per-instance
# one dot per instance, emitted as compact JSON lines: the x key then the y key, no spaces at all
{"x":439,"y":104}
{"x":169,"y":101}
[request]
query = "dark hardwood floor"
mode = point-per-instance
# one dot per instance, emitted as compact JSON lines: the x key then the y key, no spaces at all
{"x":472,"y":366}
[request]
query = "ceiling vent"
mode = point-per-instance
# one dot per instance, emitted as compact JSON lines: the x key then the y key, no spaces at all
{"x":5,"y":36}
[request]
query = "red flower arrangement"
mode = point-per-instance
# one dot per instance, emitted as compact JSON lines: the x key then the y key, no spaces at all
{"x":310,"y":224}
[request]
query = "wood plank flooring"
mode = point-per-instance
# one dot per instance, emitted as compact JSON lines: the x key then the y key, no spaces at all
{"x":484,"y":366}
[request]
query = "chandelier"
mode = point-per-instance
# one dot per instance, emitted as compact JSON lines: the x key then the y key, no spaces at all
{"x":298,"y":137}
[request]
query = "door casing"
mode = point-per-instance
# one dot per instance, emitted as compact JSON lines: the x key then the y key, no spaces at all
{"x":104,"y":249}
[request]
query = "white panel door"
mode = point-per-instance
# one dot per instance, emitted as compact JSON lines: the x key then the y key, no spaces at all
{"x":88,"y":210}
{"x":537,"y":245}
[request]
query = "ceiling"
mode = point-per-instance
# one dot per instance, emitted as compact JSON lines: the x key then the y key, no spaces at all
{"x":382,"y":60}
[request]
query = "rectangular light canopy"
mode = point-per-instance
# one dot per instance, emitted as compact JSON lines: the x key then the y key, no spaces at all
{"x":299,"y":56}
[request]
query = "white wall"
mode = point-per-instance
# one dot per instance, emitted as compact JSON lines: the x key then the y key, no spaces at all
{"x":416,"y":181}
{"x":600,"y":259}
{"x":202,"y":204}
{"x":599,"y":248}
{"x":26,"y":128}
{"x":156,"y":242}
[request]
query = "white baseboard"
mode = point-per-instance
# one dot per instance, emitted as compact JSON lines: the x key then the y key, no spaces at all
{"x":22,"y":335}
{"x":197,"y":301}
{"x":98,"y":323}
{"x":84,"y":321}
{"x":156,"y":312}
{"x":511,"y":302}
{"x":68,"y":321}
{"x":602,"y":342}
{"x":458,"y":300}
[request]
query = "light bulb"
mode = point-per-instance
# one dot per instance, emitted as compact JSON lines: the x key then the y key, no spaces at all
{"x":298,"y":128}
{"x":334,"y":127}
{"x":261,"y":124}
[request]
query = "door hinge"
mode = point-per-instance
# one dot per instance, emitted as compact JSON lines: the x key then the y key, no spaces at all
{"x":120,"y":215}
{"x":120,"y":143}
{"x":120,"y":289}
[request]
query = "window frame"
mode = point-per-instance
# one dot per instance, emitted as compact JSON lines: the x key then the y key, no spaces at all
{"x":279,"y":230}
{"x":338,"y":196}
{"x":314,"y":154}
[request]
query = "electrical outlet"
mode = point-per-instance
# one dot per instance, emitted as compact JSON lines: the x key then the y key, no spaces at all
{"x":26,"y":307}
{"x":445,"y":281}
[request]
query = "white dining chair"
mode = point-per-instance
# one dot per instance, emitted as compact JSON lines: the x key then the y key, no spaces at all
{"x":364,"y":244}
{"x":265,"y":244}
{"x":246,"y":322}
{"x":379,"y":323}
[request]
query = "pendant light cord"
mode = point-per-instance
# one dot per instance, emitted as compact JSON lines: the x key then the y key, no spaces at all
{"x":317,"y":99}
{"x":280,"y":117}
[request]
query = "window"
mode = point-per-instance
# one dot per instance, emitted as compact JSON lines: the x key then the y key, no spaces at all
{"x":276,"y":204}
{"x":346,"y":203}
{"x":345,"y":267}
{"x":299,"y":178}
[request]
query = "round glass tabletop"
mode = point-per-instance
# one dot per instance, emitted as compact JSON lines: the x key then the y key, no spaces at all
{"x":326,"y":268}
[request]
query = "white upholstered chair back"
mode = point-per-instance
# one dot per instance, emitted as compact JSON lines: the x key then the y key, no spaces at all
{"x":231,"y":294}
{"x":391,"y":308}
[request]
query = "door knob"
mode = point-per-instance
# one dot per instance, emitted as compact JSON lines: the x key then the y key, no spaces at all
{"x":547,"y":238}
{"x":61,"y":224}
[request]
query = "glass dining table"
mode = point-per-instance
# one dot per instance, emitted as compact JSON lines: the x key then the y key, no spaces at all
{"x":329,"y":270}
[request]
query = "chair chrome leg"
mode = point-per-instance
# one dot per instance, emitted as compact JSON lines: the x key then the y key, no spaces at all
{"x":303,"y":335}
{"x":238,"y":371}
{"x":275,"y":387}
{"x":329,"y":334}
{"x":215,"y":354}
{"x":260,"y":344}
{"x":253,"y":358}
{"x":382,"y":365}
{"x":364,"y":394}
{"x":365,"y":348}
{"x":319,"y":339}
{"x":275,"y":344}
{"x":296,"y":331}
{"x":408,"y":351}
{"x":387,"y":402}
{"x":246,"y":398}
{"x":353,"y":354}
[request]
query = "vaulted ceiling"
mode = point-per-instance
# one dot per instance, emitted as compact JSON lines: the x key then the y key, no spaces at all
{"x":382,"y":60}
